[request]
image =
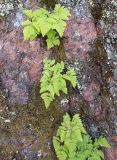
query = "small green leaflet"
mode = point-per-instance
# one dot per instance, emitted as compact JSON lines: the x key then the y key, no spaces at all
{"x":62,"y":12}
{"x":59,"y":28}
{"x":26,"y":23}
{"x":29,"y":33}
{"x":102,"y":142}
{"x":71,"y":76}
{"x":52,"y":39}
{"x":28,"y":13}
{"x":36,"y":26}
{"x":47,"y":98}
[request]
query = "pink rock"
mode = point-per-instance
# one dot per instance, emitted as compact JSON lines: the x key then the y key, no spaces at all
{"x":78,"y":34}
{"x":34,"y":71}
{"x":91,"y":91}
{"x":22,"y":64}
{"x":22,"y":60}
{"x":110,"y":154}
{"x":32,"y":4}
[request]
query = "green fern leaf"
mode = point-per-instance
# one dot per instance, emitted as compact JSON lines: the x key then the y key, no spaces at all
{"x":51,"y":34}
{"x":37,"y":27}
{"x":52,"y":42}
{"x":28,"y":13}
{"x":56,"y":86}
{"x":59,"y":28}
{"x":76,"y":133}
{"x":101,"y":141}
{"x":62,"y":135}
{"x":51,"y":19}
{"x":56,"y":41}
{"x":40,"y":13}
{"x":71,"y":76}
{"x":49,"y":43}
{"x":95,"y":156}
{"x":29,"y":33}
{"x":52,"y":62}
{"x":64,"y":90}
{"x":51,"y":90}
{"x":100,"y":153}
{"x":47,"y":64}
{"x":43,"y":88}
{"x":77,"y":120}
{"x":56,"y":144}
{"x":62,"y":12}
{"x":66,"y":120}
{"x":26,"y":23}
{"x":62,"y":156}
{"x":47,"y":99}
{"x":45,"y":27}
{"x":52,"y":39}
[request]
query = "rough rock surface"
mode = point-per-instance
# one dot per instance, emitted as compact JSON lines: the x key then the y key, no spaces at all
{"x":90,"y":46}
{"x":21,"y":63}
{"x":22,"y":60}
{"x":80,"y":31}
{"x":108,"y":24}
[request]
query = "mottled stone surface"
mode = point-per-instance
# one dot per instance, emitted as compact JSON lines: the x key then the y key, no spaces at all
{"x":26,"y":131}
{"x":22,"y":60}
{"x":108,"y":23}
{"x":6,"y":6}
{"x":79,"y":32}
{"x":89,"y":43}
{"x":111,"y":154}
{"x":21,"y":63}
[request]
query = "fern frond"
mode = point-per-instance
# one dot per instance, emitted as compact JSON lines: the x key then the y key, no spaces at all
{"x":52,"y":81}
{"x":73,"y":143}
{"x":101,"y":141}
{"x":48,"y":24}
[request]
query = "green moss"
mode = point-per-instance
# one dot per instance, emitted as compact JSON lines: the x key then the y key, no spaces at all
{"x":50,"y":4}
{"x":42,"y":122}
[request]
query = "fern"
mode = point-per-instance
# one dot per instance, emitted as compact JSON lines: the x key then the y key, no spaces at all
{"x":53,"y":80}
{"x":45,"y":23}
{"x":73,"y":143}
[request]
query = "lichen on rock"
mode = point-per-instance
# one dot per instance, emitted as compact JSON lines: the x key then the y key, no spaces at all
{"x":6,"y":6}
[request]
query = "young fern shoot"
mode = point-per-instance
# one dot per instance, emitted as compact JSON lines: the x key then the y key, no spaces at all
{"x":47,"y":24}
{"x":72,"y":142}
{"x":53,"y":80}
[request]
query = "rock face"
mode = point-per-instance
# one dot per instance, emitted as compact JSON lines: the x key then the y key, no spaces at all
{"x":111,"y":154}
{"x":6,"y":6}
{"x":108,"y":24}
{"x":21,"y":62}
{"x":80,"y":31}
{"x":90,"y":47}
